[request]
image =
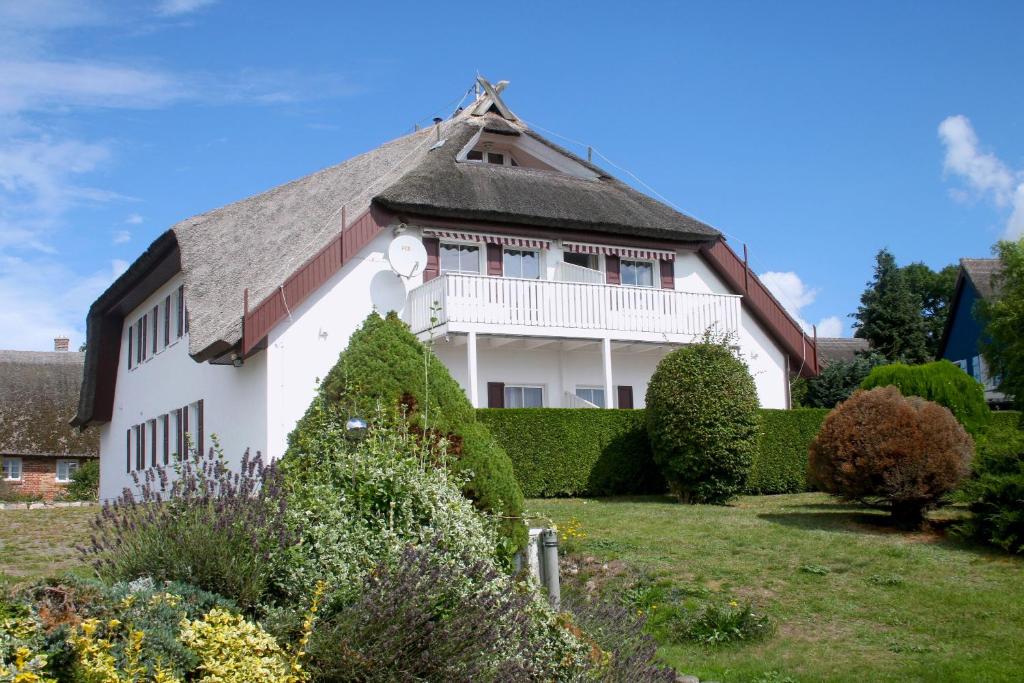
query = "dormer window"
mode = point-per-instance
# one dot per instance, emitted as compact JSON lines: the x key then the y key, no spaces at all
{"x":496,"y":158}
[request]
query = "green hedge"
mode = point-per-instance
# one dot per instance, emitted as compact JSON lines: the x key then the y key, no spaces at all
{"x":571,"y":452}
{"x":780,"y":464}
{"x":1006,"y":419}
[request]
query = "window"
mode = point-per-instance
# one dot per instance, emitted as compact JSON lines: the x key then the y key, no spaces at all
{"x":522,"y":263}
{"x":460,"y":258}
{"x":584,"y":260}
{"x":167,"y":321}
{"x":594,"y":395}
{"x":496,"y":158}
{"x":524,"y":397}
{"x":637,"y":273}
{"x":475,"y":155}
{"x":12,"y":469}
{"x":131,"y":339}
{"x":500,"y":158}
{"x":176,"y":443}
{"x":65,"y":468}
{"x":140,"y":342}
{"x":181,"y":321}
{"x":139,"y":432}
{"x":156,"y":329}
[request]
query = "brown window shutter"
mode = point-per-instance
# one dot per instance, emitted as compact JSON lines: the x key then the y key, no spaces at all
{"x":668,"y":276}
{"x":199,"y":427}
{"x":128,"y":452}
{"x":180,"y":435}
{"x":433,"y":267}
{"x":156,"y":329}
{"x":167,"y":320}
{"x":138,"y":342}
{"x":611,"y":268}
{"x":625,"y":397}
{"x":167,"y":438}
{"x":144,"y":324}
{"x":495,"y":395}
{"x":181,"y":311}
{"x":131,"y":339}
{"x":141,"y":463}
{"x":495,"y":267}
{"x":152,"y":457}
{"x":184,"y":432}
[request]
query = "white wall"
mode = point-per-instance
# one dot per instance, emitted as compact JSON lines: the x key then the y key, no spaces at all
{"x":765,"y":358}
{"x":234,"y":399}
{"x":303,"y":349}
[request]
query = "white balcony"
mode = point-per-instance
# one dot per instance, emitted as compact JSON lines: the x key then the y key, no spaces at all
{"x":458,"y":303}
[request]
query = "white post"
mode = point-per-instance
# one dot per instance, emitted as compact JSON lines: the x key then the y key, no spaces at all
{"x":474,"y":395}
{"x":609,"y":398}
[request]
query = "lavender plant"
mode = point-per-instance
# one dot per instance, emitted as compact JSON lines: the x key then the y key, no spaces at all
{"x":198,"y":522}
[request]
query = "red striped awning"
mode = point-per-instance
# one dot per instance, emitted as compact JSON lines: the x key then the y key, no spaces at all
{"x":459,"y":236}
{"x":625,"y":252}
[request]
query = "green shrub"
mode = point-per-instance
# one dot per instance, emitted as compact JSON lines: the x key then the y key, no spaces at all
{"x":385,"y":368}
{"x":702,"y":421}
{"x":995,"y":491}
{"x":1006,"y":419}
{"x":941,"y":382}
{"x":354,"y":503}
{"x":573,"y":452}
{"x":85,"y":482}
{"x":780,"y":462}
{"x":837,"y":380}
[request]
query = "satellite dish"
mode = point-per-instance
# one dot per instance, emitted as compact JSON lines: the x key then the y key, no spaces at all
{"x":407,"y":256}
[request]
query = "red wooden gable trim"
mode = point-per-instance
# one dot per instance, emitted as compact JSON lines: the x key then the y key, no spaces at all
{"x":766,"y":308}
{"x":259,"y":321}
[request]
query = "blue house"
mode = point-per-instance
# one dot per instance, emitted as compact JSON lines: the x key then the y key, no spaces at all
{"x":961,"y":339}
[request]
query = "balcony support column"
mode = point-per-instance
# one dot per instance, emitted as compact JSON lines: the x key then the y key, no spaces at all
{"x":474,"y":393}
{"x":606,"y":351}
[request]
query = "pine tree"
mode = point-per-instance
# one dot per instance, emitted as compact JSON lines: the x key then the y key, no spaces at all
{"x":889,"y":315}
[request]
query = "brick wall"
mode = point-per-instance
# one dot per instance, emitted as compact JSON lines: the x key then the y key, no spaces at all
{"x":38,"y":477}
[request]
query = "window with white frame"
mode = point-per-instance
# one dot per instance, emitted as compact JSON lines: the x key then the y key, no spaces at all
{"x":498,"y":158}
{"x":523,"y":263}
{"x":593,"y":395}
{"x":524,"y":396}
{"x":66,"y":468}
{"x":636,"y":273}
{"x":12,"y":469}
{"x":460,"y":258}
{"x":584,"y":260}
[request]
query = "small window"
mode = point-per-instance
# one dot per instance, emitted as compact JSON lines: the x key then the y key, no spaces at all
{"x":475,"y":155}
{"x":524,"y":397}
{"x":139,"y":432}
{"x":131,"y":350}
{"x":12,"y":469}
{"x":167,"y":321}
{"x":66,"y":468}
{"x":460,"y":258}
{"x":496,"y":158}
{"x":156,"y":329}
{"x":521,"y":263}
{"x":594,"y":395}
{"x":637,"y":273}
{"x":181,"y":316}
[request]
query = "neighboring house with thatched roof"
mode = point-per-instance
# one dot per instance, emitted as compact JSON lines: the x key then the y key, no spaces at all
{"x":843,"y":349}
{"x":39,"y":448}
{"x":961,"y":340}
{"x":542,"y":279}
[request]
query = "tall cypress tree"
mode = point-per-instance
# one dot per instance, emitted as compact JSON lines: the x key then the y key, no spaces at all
{"x":889,"y":315}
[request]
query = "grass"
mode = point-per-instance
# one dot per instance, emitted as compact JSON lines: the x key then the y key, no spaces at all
{"x":39,"y":543}
{"x":853,"y":600}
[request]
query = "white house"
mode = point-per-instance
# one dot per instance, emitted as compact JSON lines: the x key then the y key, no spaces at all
{"x":547,"y":282}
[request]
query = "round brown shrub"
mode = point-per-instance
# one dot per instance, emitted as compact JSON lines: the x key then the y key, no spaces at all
{"x":881,"y":447}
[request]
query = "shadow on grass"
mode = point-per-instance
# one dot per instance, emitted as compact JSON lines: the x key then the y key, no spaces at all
{"x":845,"y":520}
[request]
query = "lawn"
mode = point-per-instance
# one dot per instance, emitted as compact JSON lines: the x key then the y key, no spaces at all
{"x":853,"y":600}
{"x":38,"y":543}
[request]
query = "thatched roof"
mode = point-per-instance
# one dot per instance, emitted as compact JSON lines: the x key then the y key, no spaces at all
{"x":981,"y":272}
{"x":256,"y":243}
{"x":840,"y":348}
{"x":38,"y":396}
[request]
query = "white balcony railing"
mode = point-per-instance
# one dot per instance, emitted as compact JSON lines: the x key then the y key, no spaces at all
{"x":571,"y":400}
{"x":500,"y":305}
{"x":570,"y":272}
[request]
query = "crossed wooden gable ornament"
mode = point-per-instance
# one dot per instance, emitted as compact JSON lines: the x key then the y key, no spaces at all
{"x":491,"y":99}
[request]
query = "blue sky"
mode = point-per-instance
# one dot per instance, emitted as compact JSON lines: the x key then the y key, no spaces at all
{"x":817,"y":133}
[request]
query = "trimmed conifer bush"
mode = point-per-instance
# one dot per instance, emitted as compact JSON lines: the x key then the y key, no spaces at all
{"x":386,"y":369}
{"x":702,"y":420}
{"x":881,"y":447}
{"x":942,"y":382}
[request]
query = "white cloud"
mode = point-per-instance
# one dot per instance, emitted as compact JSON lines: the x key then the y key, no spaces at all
{"x":122,"y":236}
{"x":794,"y":295}
{"x":43,"y":299}
{"x":171,"y":8}
{"x":134,"y":219}
{"x":984,"y":173}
